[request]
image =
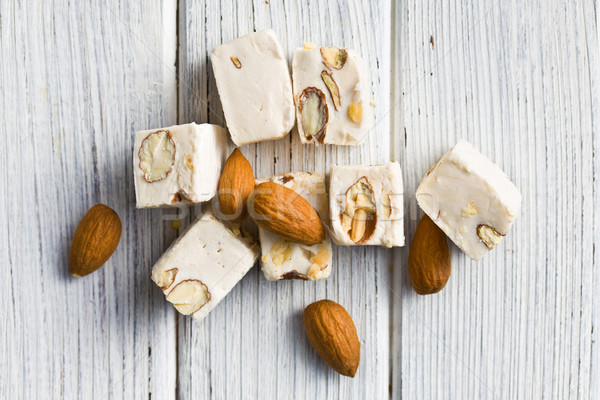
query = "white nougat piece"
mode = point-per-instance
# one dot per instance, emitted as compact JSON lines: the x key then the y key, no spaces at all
{"x":332,"y":95}
{"x":204,"y":264}
{"x":282,"y":259}
{"x":255,"y":88}
{"x":178,"y":164}
{"x":470,"y":198}
{"x":366,"y":205}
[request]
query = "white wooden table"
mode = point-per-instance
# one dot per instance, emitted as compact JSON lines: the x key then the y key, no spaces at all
{"x":519,"y":78}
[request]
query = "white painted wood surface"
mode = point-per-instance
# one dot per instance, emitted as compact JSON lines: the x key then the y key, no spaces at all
{"x":520,"y":79}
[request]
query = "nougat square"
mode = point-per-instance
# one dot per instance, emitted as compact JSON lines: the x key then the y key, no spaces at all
{"x":366,"y":205}
{"x":282,"y":259}
{"x":204,"y":264}
{"x":332,"y":93}
{"x":255,"y":88}
{"x":470,"y":198}
{"x":178,"y":164}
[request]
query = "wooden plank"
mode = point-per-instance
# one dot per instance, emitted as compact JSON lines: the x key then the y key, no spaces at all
{"x":519,"y":80}
{"x":77,"y":80}
{"x":253,"y":344}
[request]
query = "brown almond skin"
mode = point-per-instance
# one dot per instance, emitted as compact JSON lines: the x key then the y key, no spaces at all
{"x":235,"y":186}
{"x":285,"y":213}
{"x":429,"y":258}
{"x":332,"y":333}
{"x":96,"y":238}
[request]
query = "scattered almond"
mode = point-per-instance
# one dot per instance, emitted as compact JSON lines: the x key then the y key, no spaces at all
{"x":96,"y":238}
{"x":429,"y":258}
{"x":331,"y":331}
{"x":285,"y":213}
{"x":235,"y":186}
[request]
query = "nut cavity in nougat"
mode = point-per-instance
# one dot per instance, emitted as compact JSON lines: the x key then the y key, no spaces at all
{"x":344,"y":92}
{"x":177,"y":165}
{"x":366,"y":205}
{"x":282,"y":259}
{"x":477,"y":216}
{"x":204,"y":264}
{"x":314,"y":114}
{"x":157,"y":156}
{"x":255,"y":88}
{"x":334,"y":57}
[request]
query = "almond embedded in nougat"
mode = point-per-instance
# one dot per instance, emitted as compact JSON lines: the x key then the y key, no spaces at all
{"x":331,"y":331}
{"x":429,"y":258}
{"x":285,"y":213}
{"x":96,"y":238}
{"x":235,"y":186}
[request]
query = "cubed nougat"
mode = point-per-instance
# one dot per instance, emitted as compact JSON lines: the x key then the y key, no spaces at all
{"x":332,"y":95}
{"x":202,"y":266}
{"x":282,"y":259}
{"x":366,"y":205}
{"x":255,"y":88}
{"x":178,"y":164}
{"x":470,"y":198}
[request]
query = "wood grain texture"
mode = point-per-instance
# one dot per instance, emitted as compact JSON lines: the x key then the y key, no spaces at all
{"x":253,"y":344}
{"x":77,"y":81}
{"x":519,"y":80}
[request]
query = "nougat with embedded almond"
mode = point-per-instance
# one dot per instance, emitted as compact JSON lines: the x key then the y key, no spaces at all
{"x":470,"y":198}
{"x":332,"y":93}
{"x":366,"y":205}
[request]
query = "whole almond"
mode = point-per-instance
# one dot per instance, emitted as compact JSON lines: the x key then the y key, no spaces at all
{"x":285,"y":213}
{"x":96,"y":238}
{"x":429,"y":258}
{"x":332,"y":333}
{"x":235,"y":186}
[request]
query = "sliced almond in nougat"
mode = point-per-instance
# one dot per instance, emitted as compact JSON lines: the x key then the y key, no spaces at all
{"x":334,"y":91}
{"x":359,"y":216}
{"x":157,"y":155}
{"x":334,"y":57}
{"x":189,"y":296}
{"x":489,"y":236}
{"x":314,"y":114}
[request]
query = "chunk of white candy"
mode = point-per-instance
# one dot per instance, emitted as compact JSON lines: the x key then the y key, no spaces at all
{"x":178,"y":164}
{"x":366,"y":205}
{"x":254,"y":84}
{"x":332,"y":95}
{"x":470,"y":198}
{"x":282,"y":259}
{"x":203,"y":265}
